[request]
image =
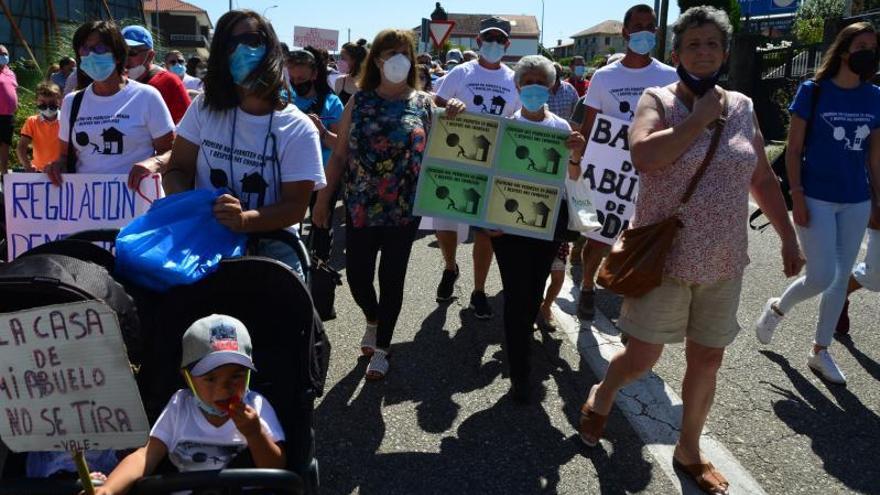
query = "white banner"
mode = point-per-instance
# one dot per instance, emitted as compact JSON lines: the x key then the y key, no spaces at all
{"x":328,"y":39}
{"x":38,"y":212}
{"x":608,"y":170}
{"x":66,"y":383}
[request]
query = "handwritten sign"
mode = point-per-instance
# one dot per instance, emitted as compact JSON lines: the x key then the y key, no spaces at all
{"x":328,"y":39}
{"x":494,"y":172}
{"x":608,"y":170}
{"x":65,"y":382}
{"x":38,"y":212}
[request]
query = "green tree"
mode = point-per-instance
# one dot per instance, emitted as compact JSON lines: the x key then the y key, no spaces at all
{"x":729,"y":6}
{"x":809,"y":23}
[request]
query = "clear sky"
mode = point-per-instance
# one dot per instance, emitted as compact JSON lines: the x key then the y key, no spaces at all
{"x":365,"y":18}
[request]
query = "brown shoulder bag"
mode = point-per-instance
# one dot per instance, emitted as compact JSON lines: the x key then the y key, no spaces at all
{"x":636,"y":262}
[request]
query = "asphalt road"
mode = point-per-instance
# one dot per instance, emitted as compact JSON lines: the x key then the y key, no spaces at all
{"x":441,"y":421}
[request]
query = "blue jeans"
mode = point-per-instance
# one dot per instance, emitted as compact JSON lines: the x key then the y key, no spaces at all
{"x":280,"y":251}
{"x":830,"y":244}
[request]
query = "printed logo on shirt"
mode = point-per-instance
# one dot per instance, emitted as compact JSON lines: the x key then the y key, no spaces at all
{"x":626,"y":99}
{"x":250,"y":186}
{"x":488,"y":98}
{"x":112,"y":140}
{"x":199,"y":456}
{"x":849,"y":129}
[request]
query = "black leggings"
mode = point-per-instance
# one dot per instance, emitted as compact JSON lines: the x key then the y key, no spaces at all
{"x":524,"y":264}
{"x":362,"y":245}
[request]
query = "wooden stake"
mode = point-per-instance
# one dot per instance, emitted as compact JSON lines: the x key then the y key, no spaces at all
{"x":83,"y":469}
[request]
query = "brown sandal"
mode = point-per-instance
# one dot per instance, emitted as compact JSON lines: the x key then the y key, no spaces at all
{"x":591,"y":424}
{"x":706,"y":476}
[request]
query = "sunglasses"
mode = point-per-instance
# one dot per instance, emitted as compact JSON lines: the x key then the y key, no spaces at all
{"x":176,"y":62}
{"x":47,"y":107}
{"x":252,"y":39}
{"x":137,"y":53}
{"x":98,"y":49}
{"x":494,"y":37}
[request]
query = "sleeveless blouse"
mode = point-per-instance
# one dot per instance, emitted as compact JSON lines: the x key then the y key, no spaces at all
{"x":385,"y":147}
{"x":713,"y":245}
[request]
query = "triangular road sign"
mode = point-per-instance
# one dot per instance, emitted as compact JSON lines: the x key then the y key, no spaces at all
{"x":440,"y":31}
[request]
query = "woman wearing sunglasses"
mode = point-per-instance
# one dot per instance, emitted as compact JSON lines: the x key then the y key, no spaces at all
{"x":121,"y":125}
{"x":240,"y":136}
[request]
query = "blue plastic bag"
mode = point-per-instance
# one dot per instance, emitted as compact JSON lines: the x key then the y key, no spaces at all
{"x":177,"y":242}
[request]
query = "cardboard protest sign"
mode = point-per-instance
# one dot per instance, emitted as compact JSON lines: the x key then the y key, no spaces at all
{"x":66,"y":383}
{"x":493,"y":172}
{"x":38,"y":212}
{"x":327,"y":39}
{"x":608,"y":170}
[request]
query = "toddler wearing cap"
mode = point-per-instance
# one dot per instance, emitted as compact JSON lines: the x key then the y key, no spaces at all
{"x":216,"y":419}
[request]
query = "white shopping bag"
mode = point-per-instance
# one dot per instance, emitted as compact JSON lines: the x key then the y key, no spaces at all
{"x":582,"y":215}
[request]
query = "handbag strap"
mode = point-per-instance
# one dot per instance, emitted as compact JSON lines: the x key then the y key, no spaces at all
{"x":713,"y":146}
{"x":70,"y":166}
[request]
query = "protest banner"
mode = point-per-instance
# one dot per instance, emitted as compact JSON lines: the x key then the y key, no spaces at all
{"x":66,"y":383}
{"x":608,"y":170}
{"x":493,"y":172}
{"x":327,"y":39}
{"x":38,"y":212}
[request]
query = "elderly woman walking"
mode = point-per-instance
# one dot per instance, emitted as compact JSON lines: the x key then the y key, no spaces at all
{"x":699,"y":295}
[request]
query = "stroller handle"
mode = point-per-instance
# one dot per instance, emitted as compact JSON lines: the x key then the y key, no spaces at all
{"x":229,"y":480}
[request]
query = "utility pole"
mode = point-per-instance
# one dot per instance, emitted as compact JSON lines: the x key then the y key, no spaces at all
{"x":542,"y":23}
{"x":349,"y":35}
{"x":661,"y":30}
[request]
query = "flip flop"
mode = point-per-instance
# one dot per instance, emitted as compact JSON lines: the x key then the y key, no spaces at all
{"x":706,"y":476}
{"x":592,"y":424}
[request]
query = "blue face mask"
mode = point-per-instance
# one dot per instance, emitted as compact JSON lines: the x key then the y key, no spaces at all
{"x":4,"y":59}
{"x":534,"y":96}
{"x":98,"y":66}
{"x":178,"y":69}
{"x":244,"y":60}
{"x":492,"y":51}
{"x":642,"y":42}
{"x":579,"y":70}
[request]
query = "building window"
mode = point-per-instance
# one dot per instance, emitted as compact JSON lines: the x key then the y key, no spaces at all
{"x":607,"y":41}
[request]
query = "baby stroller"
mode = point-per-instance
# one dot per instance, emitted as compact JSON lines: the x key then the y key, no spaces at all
{"x":291,"y":350}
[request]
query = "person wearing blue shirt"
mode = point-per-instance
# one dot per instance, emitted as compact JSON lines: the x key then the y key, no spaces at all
{"x":828,"y":170}
{"x":307,"y":70}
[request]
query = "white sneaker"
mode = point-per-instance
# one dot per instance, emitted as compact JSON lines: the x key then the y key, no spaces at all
{"x":767,"y":323}
{"x":824,"y":364}
{"x":368,"y":343}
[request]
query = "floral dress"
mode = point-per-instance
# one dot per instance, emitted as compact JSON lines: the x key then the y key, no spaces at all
{"x":385,"y":148}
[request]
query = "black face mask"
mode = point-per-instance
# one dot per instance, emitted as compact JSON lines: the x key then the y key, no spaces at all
{"x":863,"y":63}
{"x":697,"y":86}
{"x":303,"y":88}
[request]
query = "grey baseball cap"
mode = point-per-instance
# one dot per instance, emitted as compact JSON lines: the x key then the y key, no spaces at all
{"x":216,"y":340}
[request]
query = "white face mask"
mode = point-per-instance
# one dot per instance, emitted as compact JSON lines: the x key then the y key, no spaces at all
{"x":396,"y":68}
{"x":49,"y":114}
{"x":136,"y":72}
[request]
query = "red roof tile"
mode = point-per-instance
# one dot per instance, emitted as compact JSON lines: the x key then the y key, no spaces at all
{"x":170,"y":6}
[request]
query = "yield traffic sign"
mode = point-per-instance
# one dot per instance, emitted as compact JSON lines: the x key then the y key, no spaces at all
{"x":440,"y":31}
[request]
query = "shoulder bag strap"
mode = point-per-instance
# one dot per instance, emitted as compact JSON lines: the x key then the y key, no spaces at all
{"x":713,"y":146}
{"x":814,"y":102}
{"x":74,"y":111}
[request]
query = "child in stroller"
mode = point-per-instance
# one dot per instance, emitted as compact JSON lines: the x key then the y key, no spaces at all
{"x":217,"y":421}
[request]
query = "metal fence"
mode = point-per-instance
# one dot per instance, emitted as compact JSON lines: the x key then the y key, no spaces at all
{"x":793,"y":62}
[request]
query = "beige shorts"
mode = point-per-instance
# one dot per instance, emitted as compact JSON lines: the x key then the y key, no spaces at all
{"x":704,"y":313}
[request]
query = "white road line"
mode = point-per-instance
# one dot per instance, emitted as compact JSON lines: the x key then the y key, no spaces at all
{"x":649,"y":404}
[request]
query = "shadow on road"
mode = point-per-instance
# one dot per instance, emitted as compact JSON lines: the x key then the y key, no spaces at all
{"x":845,"y":434}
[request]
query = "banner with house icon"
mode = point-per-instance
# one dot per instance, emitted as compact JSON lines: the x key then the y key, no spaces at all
{"x":493,"y":172}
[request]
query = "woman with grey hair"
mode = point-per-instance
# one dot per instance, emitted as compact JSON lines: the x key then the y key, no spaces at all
{"x":524,"y":262}
{"x":699,"y":295}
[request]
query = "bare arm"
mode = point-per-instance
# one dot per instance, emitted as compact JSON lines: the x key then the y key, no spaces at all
{"x":22,"y":151}
{"x":589,"y":118}
{"x":291,"y":209}
{"x":180,"y":171}
{"x":765,"y":189}
{"x":339,"y":158}
{"x":793,"y":157}
{"x":653,"y":146}
{"x":142,"y":462}
{"x":155,"y":163}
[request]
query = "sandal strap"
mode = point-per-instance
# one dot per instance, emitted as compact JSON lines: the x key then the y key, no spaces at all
{"x":707,"y":477}
{"x":378,"y":363}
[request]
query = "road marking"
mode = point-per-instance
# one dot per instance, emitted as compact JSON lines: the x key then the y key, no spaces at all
{"x":649,"y":404}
